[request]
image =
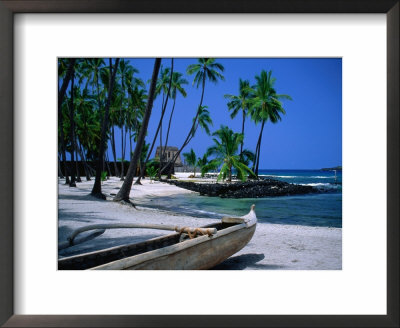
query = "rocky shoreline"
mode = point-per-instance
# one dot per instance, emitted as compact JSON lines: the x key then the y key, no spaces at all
{"x":248,"y":189}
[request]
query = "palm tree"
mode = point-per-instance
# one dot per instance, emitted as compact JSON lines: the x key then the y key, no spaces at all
{"x":93,"y":70}
{"x":240,"y":102}
{"x":135,"y":117}
{"x":126,"y":72}
{"x":65,"y":130}
{"x":143,"y":155}
{"x":203,"y":121}
{"x":160,"y":86}
{"x":265,"y":106}
{"x":72,"y":132}
{"x":177,"y":82}
{"x":190,"y":159}
{"x":205,"y":69}
{"x":96,"y":191}
{"x":205,"y":165}
{"x":123,"y":194}
{"x":225,"y":150}
{"x":114,"y":111}
{"x":87,"y":125}
{"x":81,"y":103}
{"x":246,"y":157}
{"x":136,"y":106}
{"x":164,"y":84}
{"x":67,"y":71}
{"x":113,"y":119}
{"x":97,"y":76}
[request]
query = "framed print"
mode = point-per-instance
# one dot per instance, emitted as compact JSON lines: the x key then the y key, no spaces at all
{"x":358,"y":287}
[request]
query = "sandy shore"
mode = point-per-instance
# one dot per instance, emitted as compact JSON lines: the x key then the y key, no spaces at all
{"x":274,"y":246}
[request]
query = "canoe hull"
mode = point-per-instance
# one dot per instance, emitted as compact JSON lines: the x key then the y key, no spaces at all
{"x":172,"y":252}
{"x":201,"y":256}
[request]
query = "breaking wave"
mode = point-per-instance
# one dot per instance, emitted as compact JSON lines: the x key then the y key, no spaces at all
{"x":279,"y":176}
{"x":322,"y":186}
{"x":296,"y":176}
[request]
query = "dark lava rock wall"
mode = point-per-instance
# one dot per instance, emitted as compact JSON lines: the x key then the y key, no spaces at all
{"x":248,"y":189}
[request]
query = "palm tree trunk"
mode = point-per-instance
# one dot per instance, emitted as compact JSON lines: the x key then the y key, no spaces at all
{"x":60,"y":175}
{"x":104,"y":163}
{"x":96,"y":191}
{"x":169,"y":123}
{"x":142,"y":172}
{"x":85,"y":165}
{"x":255,"y":155}
{"x":78,"y":173}
{"x":122,"y":153}
{"x":122,"y":132}
{"x":241,"y":145}
{"x":71,"y":133}
{"x":163,"y":108}
{"x":108,"y":164}
{"x":130,"y":142}
{"x":123,"y":193}
{"x":169,"y":172}
{"x":167,"y":136}
{"x":64,"y":157}
{"x":259,"y":147}
{"x":65,"y":83}
{"x":162,"y":154}
{"x":116,"y":171}
{"x":192,"y":129}
{"x":61,"y":95}
{"x":151,"y":149}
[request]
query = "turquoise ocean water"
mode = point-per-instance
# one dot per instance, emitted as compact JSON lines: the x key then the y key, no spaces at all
{"x":323,"y":209}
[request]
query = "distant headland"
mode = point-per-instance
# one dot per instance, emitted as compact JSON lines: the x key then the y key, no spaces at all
{"x":337,"y":168}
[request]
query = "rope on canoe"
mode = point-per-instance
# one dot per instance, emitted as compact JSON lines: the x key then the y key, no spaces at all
{"x":196,"y":231}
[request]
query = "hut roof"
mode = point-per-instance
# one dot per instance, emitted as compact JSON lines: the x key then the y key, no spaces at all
{"x":168,"y":148}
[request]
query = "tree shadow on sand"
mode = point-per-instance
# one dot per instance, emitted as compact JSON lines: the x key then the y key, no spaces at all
{"x":244,"y":261}
{"x":82,"y":197}
{"x":85,"y":217}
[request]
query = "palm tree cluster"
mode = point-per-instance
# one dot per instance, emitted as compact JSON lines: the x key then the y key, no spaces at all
{"x":97,"y":96}
{"x":94,"y":99}
{"x":206,"y":69}
{"x":262,"y":103}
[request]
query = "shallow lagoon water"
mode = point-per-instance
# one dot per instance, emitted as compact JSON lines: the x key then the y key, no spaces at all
{"x":322,"y":210}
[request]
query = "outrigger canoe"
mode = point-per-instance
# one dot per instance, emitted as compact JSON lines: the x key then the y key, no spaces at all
{"x":187,"y":249}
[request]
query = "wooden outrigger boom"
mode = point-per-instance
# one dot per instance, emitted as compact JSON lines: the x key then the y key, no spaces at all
{"x":188,"y":230}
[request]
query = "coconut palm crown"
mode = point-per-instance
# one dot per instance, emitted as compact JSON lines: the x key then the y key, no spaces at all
{"x":265,"y":105}
{"x":206,"y":68}
{"x":241,"y":102}
{"x":190,"y":159}
{"x":225,"y":151}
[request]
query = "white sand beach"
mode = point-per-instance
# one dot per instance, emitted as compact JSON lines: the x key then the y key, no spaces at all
{"x":273,"y":246}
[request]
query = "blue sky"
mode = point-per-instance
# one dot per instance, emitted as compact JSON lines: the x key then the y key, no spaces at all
{"x":309,"y":135}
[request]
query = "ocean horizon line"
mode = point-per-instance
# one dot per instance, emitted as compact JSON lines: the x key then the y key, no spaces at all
{"x":315,"y":169}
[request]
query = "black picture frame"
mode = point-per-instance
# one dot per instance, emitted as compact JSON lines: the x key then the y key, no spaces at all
{"x":8,"y":199}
